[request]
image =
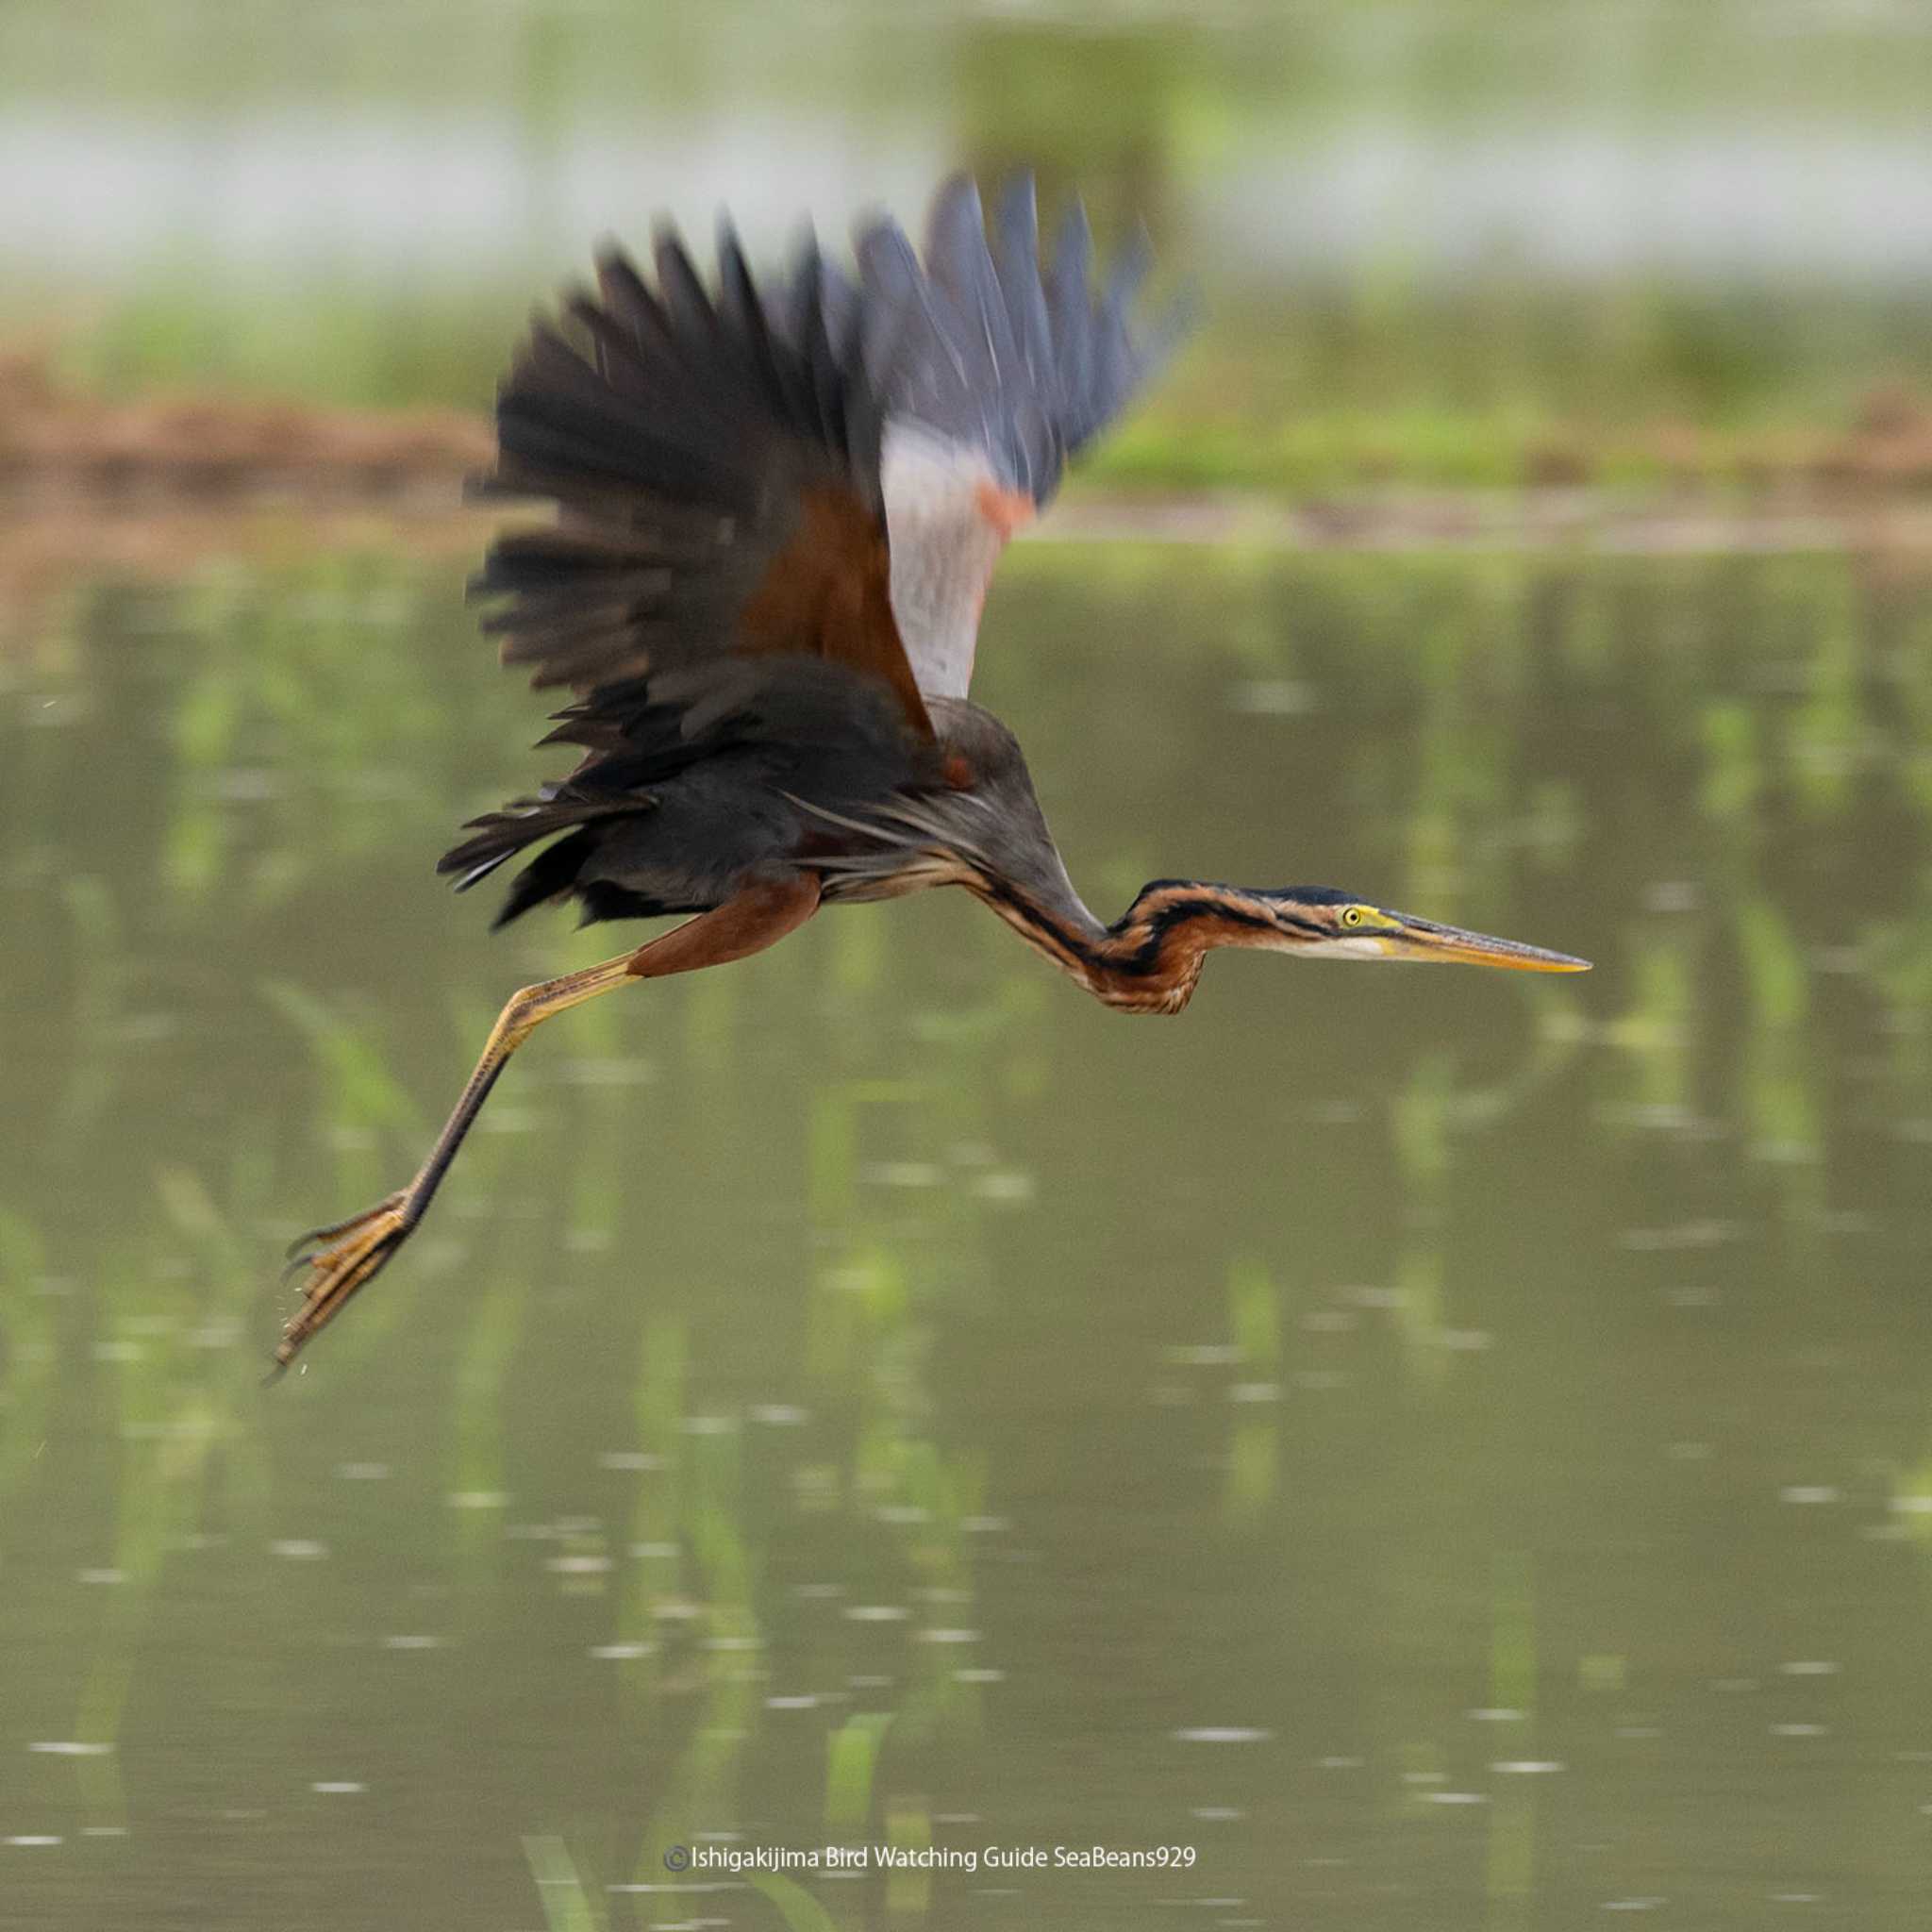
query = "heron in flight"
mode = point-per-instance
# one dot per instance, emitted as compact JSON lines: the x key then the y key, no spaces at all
{"x":777,"y":509}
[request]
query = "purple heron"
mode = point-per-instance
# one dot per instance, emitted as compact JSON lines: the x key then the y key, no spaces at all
{"x":777,"y":509}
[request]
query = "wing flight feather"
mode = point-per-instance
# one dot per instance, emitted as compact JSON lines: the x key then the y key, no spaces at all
{"x":826,"y":466}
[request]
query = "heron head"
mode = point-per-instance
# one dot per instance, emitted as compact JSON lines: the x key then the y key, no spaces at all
{"x":1322,"y":923}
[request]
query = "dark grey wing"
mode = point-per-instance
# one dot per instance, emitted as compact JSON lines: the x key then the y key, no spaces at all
{"x":993,"y":372}
{"x":715,"y":468}
{"x":1042,"y":361}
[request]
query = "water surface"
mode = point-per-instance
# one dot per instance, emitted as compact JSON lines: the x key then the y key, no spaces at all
{"x":1450,"y":1448}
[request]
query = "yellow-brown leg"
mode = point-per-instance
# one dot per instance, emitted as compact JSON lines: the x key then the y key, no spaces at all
{"x":344,"y":1258}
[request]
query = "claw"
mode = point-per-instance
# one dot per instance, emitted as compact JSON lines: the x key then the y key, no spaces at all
{"x":351,"y":1253}
{"x":296,"y":1248}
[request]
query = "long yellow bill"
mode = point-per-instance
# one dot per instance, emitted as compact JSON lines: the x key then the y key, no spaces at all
{"x":1422,"y":938}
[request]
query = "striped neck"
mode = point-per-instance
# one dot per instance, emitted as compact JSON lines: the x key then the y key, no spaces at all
{"x":1149,"y":960}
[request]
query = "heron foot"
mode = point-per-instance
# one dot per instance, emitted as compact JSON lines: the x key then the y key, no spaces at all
{"x":340,"y":1258}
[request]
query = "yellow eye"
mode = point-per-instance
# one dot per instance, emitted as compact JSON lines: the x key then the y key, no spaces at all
{"x":1351,"y":915}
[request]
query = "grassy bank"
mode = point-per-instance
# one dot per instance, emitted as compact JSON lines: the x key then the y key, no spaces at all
{"x":81,"y":423}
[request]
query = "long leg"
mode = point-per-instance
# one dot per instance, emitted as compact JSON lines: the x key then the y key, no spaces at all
{"x":342,"y":1258}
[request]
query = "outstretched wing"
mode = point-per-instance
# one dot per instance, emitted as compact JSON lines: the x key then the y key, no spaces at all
{"x":994,"y":374}
{"x":827,"y":469}
{"x":715,"y":466}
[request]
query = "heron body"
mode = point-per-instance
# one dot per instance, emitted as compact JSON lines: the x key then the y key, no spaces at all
{"x":777,"y":513}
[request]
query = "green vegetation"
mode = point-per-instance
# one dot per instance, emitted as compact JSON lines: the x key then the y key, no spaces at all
{"x":1355,"y":360}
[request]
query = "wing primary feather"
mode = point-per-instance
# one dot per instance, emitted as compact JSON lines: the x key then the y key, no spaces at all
{"x":1067,"y":299}
{"x":743,"y":316}
{"x":621,"y":360}
{"x":957,"y":260}
{"x":861,"y":418}
{"x":929,"y":371}
{"x":692,"y":319}
{"x":558,"y":432}
{"x":839,"y":297}
{"x":1130,"y":269}
{"x":631,"y":302}
{"x":819,"y":366}
{"x":1016,"y":232}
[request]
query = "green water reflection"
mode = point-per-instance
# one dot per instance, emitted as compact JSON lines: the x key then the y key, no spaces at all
{"x":1454,"y":1449}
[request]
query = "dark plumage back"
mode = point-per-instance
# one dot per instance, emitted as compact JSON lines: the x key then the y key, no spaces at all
{"x":693,"y":782}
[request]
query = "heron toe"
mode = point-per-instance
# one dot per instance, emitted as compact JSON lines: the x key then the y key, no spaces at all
{"x":341,"y":1260}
